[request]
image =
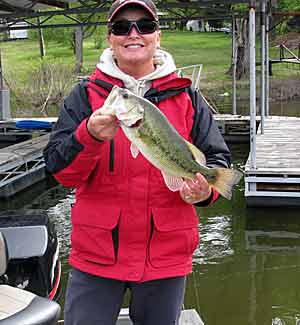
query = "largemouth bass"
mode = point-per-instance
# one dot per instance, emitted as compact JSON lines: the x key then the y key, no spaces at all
{"x":151,"y":134}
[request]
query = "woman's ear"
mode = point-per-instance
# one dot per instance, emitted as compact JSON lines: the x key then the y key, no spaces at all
{"x":158,"y":39}
{"x":108,"y":38}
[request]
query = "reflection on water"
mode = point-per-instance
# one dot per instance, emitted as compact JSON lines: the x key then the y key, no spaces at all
{"x":215,"y":240}
{"x":60,"y":213}
{"x":280,"y":108}
{"x":276,"y":108}
{"x":246,"y":269}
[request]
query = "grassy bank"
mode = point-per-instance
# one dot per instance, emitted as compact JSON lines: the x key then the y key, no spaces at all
{"x":21,"y":59}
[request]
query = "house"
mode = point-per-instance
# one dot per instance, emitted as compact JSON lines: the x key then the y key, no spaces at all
{"x":19,"y":33}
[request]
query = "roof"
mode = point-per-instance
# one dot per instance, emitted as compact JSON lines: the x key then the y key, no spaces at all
{"x":29,"y":6}
{"x":14,"y":11}
{"x":11,"y":6}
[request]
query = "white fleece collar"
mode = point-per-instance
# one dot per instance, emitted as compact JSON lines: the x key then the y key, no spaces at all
{"x":164,"y":66}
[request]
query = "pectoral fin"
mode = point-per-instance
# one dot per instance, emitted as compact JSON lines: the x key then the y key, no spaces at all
{"x":197,"y":154}
{"x":173,"y":183}
{"x":134,"y":150}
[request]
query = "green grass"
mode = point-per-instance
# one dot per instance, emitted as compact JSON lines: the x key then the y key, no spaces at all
{"x":212,"y":50}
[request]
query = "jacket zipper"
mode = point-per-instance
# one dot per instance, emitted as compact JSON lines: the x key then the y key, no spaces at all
{"x":112,"y":155}
{"x":140,"y":88}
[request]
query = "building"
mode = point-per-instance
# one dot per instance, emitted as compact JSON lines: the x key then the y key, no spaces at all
{"x":19,"y":33}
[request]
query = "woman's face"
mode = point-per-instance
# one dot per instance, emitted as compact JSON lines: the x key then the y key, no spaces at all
{"x":134,"y":52}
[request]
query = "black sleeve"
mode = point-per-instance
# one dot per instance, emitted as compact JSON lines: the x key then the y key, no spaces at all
{"x":63,"y":147}
{"x":206,"y":135}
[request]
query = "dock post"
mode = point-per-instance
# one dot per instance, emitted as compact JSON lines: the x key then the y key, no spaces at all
{"x":4,"y":96}
{"x":41,"y":39}
{"x":267,"y":74}
{"x":252,"y":84}
{"x":234,"y":62}
{"x":263,"y":63}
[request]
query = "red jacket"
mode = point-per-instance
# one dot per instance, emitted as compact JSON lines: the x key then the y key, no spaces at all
{"x":127,"y":224}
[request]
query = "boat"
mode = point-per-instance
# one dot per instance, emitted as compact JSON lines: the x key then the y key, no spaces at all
{"x":30,"y":269}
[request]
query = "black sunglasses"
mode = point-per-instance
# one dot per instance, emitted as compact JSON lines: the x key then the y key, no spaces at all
{"x":123,"y":27}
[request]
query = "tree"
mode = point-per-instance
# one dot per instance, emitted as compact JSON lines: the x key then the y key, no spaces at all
{"x":240,"y":34}
{"x":242,"y":48}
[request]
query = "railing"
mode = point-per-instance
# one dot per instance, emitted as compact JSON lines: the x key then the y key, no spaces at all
{"x":284,"y":49}
{"x":193,"y":72}
{"x":18,"y":171}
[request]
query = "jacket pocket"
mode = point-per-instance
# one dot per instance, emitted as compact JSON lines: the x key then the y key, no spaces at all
{"x":174,"y":237}
{"x":93,"y":234}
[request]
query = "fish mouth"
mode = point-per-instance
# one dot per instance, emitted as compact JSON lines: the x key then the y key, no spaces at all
{"x":137,"y":123}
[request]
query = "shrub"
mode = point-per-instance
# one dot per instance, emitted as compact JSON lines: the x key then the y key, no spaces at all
{"x":44,"y":88}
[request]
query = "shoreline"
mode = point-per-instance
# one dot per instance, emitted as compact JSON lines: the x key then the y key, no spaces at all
{"x":280,"y":90}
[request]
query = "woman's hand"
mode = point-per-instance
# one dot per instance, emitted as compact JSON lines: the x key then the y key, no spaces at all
{"x":102,"y":127}
{"x":195,"y":190}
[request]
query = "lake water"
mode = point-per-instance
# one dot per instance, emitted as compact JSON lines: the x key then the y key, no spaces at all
{"x":246,"y":269}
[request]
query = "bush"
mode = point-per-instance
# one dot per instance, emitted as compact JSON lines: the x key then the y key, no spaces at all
{"x":45,"y":87}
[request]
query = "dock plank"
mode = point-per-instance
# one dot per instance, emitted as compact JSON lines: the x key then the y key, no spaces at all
{"x":278,"y":149}
{"x":19,"y":153}
{"x":275,"y":180}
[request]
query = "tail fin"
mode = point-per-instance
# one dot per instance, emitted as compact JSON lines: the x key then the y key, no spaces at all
{"x":225,"y":179}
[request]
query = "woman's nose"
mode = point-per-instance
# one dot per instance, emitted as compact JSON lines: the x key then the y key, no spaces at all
{"x":133,"y":31}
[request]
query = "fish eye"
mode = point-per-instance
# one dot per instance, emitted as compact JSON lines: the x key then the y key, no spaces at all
{"x":125,"y":95}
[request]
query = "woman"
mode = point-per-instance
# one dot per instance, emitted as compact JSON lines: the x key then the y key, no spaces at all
{"x":129,"y":230}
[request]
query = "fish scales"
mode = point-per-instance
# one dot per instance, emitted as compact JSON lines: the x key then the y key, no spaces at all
{"x":158,"y":139}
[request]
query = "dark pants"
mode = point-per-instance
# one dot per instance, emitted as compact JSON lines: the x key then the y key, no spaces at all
{"x":92,"y":300}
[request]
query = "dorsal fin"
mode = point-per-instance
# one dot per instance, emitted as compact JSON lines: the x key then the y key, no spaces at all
{"x":197,"y":154}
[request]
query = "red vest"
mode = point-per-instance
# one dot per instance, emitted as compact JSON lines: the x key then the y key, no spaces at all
{"x":127,"y":224}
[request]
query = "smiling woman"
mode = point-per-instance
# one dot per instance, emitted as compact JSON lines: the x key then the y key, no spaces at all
{"x":133,"y":38}
{"x":129,"y":231}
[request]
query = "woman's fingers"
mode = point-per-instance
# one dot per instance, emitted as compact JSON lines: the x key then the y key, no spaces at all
{"x":195,"y":190}
{"x":102,"y":127}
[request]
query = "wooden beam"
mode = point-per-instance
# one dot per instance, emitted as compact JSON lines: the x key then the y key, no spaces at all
{"x":286,"y":13}
{"x":212,"y":2}
{"x":197,"y":4}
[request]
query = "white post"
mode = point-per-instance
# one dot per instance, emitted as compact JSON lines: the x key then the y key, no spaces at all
{"x":267,"y":60}
{"x":263,"y":63}
{"x":234,"y":61}
{"x":41,"y":39}
{"x":252,"y":85}
{"x":4,"y":96}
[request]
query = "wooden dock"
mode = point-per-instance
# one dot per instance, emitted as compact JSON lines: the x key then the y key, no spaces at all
{"x":275,"y":178}
{"x":21,"y":165}
{"x":235,"y":128}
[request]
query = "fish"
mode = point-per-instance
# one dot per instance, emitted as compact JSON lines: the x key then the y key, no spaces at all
{"x":152,"y":135}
